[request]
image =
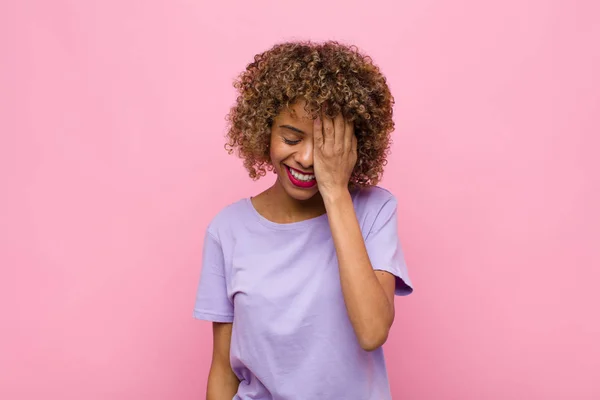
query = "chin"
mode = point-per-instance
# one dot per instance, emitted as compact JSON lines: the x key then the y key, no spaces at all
{"x":301,"y":194}
{"x":297,"y":193}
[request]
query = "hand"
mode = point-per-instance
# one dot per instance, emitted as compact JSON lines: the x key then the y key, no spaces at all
{"x":335,"y":153}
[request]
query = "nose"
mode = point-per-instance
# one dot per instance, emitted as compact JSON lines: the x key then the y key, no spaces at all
{"x":304,"y":155}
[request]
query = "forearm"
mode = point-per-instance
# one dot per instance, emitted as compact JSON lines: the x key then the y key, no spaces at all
{"x":371,"y":312}
{"x":222,"y":383}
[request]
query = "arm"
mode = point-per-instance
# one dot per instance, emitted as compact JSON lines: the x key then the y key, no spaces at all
{"x":368,"y":294}
{"x":222,"y":381}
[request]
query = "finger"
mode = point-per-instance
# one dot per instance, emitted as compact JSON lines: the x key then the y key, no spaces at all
{"x":339,"y":132}
{"x":318,"y":132}
{"x":328,"y":132}
{"x":354,"y":143}
{"x":349,"y":135}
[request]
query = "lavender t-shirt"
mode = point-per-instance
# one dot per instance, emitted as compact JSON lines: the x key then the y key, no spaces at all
{"x":280,"y":286}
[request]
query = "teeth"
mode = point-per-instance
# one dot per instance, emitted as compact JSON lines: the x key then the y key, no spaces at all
{"x":301,"y":177}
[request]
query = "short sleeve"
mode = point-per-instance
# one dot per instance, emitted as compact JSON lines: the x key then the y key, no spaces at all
{"x":384,"y":248}
{"x":212,"y":302}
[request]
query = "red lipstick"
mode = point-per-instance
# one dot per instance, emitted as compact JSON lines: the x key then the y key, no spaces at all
{"x":297,"y":182}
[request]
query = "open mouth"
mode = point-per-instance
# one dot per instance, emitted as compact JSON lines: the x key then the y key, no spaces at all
{"x":301,"y":179}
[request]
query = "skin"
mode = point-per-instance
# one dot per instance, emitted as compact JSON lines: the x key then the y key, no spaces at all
{"x":327,"y":149}
{"x":222,"y":381}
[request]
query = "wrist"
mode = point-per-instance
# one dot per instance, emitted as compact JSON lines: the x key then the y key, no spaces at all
{"x":331,"y":196}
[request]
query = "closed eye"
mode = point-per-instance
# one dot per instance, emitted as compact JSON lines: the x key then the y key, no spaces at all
{"x":291,"y":142}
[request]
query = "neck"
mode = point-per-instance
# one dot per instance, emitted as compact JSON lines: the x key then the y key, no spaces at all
{"x":281,"y":207}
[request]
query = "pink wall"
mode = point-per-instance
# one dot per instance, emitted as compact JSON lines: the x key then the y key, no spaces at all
{"x":111,"y":124}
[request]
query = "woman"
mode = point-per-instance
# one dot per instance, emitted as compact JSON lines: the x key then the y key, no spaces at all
{"x":299,"y":281}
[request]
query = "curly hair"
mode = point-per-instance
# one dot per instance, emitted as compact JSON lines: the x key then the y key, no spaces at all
{"x":330,"y":74}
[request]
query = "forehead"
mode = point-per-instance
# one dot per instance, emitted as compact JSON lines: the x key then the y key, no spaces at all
{"x":296,"y":112}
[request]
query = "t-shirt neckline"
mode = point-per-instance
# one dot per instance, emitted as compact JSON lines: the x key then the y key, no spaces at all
{"x":285,"y":226}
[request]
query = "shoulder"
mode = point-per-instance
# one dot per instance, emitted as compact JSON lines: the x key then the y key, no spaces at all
{"x":374,"y":206}
{"x":374,"y":198}
{"x":226,"y":219}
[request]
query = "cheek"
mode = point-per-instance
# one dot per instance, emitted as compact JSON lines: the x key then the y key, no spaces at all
{"x":274,"y":160}
{"x":275,"y":152}
{"x":272,"y":155}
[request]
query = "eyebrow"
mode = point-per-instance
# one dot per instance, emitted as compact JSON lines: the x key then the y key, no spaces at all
{"x":293,"y":129}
